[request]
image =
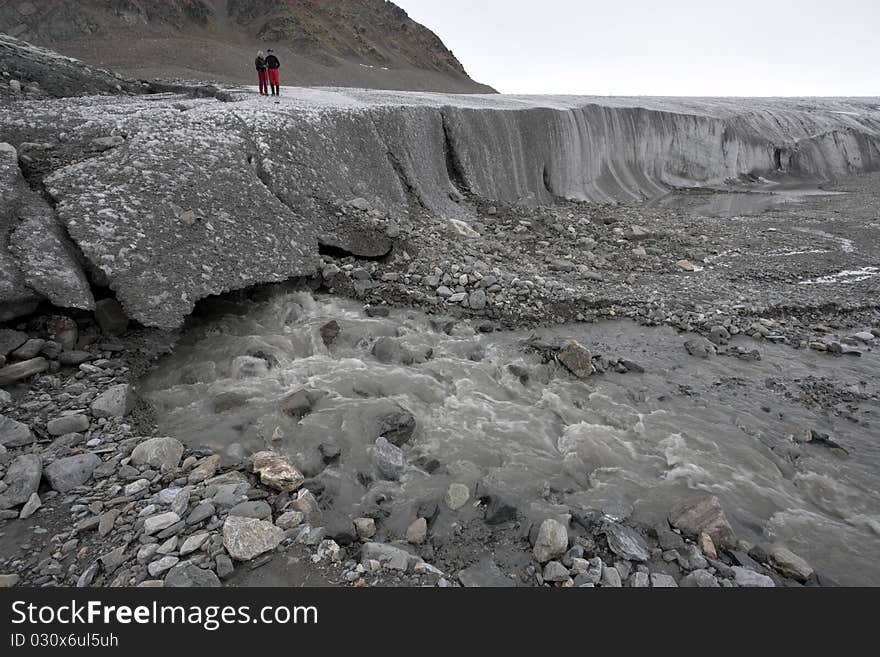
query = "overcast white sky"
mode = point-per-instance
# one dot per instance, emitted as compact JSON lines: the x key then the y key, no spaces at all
{"x":663,"y":47}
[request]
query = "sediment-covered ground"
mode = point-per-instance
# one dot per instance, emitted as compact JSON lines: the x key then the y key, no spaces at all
{"x":375,"y":338}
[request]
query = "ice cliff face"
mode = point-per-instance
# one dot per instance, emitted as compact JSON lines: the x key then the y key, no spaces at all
{"x":193,"y":197}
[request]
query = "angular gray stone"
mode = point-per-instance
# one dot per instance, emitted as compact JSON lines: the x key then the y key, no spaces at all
{"x":747,"y":578}
{"x":159,"y":522}
{"x":202,"y":511}
{"x":257,"y":509}
{"x":277,"y":472}
{"x":577,"y":359}
{"x":456,"y":496}
{"x":663,"y":581}
{"x":224,"y":566}
{"x":48,"y":259}
{"x":610,"y":577}
{"x":551,"y":542}
{"x":22,"y":480}
{"x":389,"y":459}
{"x":13,"y":433}
{"x":30,"y":507}
{"x":116,"y":401}
{"x":699,"y":579}
{"x":247,"y":538}
{"x":189,"y":575}
{"x":159,"y":566}
{"x":639,"y":580}
{"x":625,"y":542}
{"x":162,"y":453}
{"x":193,"y":543}
{"x":788,"y":564}
{"x":67,"y":424}
{"x":389,"y":556}
{"x":704,"y":515}
{"x":66,"y":474}
{"x":555,"y":572}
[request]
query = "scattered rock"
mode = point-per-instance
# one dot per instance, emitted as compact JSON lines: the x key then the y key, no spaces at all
{"x":159,"y":522}
{"x":30,"y":507}
{"x":389,"y":459}
{"x":256,"y":509}
{"x":329,"y":333}
{"x":699,"y":579}
{"x":577,"y":359}
{"x":365,"y":527}
{"x":551,"y":542}
{"x":388,"y":556}
{"x":66,"y":474}
{"x":22,"y":480}
{"x":19,"y":371}
{"x":417,"y":532}
{"x":13,"y":433}
{"x":610,"y":577}
{"x":788,"y":564}
{"x":705,"y":515}
{"x":289,"y":520}
{"x":277,"y":472}
{"x":663,"y":581}
{"x":456,"y":496}
{"x":67,"y":424}
{"x":7,"y":581}
{"x":163,"y":453}
{"x":247,"y":538}
{"x":625,"y":542}
{"x":555,"y":572}
{"x":750,"y":579}
{"x":116,"y":401}
{"x":205,"y":469}
{"x":700,"y":347}
{"x":189,"y":575}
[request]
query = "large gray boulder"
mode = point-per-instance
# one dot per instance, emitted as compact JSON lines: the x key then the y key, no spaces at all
{"x":162,"y":453}
{"x":704,"y":515}
{"x":247,"y":538}
{"x":116,"y":401}
{"x":13,"y":433}
{"x":66,"y":474}
{"x":22,"y":480}
{"x":178,"y":213}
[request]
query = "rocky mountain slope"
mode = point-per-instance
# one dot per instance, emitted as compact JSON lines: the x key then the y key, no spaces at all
{"x":366,"y":43}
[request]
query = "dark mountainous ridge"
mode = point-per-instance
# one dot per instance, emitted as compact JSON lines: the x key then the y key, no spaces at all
{"x":370,"y":43}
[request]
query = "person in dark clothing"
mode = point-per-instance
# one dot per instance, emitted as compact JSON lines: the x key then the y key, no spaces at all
{"x":273,"y":65}
{"x":262,"y":73}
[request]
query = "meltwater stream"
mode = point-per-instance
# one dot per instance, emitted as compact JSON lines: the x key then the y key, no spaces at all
{"x":615,"y":441}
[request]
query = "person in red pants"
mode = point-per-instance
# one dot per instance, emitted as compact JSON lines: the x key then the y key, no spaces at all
{"x":273,"y":65}
{"x":262,"y":73}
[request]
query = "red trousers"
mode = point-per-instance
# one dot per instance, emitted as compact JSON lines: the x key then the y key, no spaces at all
{"x":264,"y":82}
{"x":273,"y":77}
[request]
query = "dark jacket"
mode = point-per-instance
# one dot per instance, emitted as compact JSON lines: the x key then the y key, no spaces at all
{"x":272,"y":62}
{"x":260,"y":63}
